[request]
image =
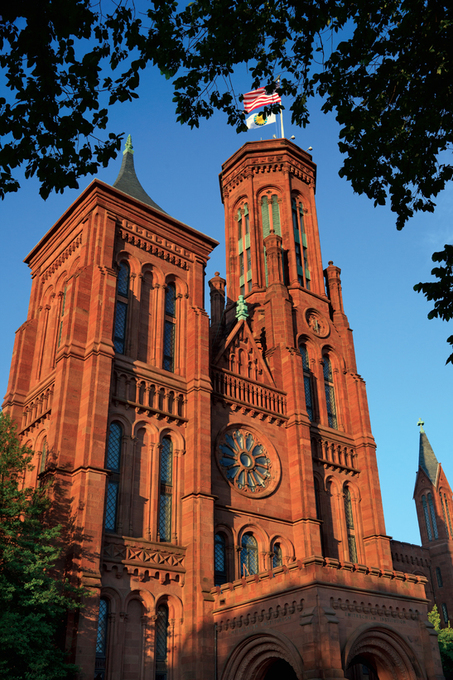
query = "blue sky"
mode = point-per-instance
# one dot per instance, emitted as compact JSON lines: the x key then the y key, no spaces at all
{"x":400,"y":354}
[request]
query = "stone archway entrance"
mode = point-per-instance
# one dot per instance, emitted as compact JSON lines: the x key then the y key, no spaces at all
{"x":264,"y":657}
{"x":380,"y":654}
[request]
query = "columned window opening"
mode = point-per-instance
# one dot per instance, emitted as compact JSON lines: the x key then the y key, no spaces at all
{"x":301,"y":248}
{"x":244,"y":250}
{"x":112,"y":463}
{"x":352,"y":547}
{"x":433,"y":515}
{"x":162,"y":642}
{"x":170,"y":327}
{"x":122,"y":300}
{"x":166,"y":490}
{"x":101,"y":640}
{"x":277,"y":555}
{"x":308,"y":382}
{"x":220,"y":560}
{"x":270,"y":216}
{"x":330,"y":393}
{"x":249,"y":555}
{"x":427,"y":522}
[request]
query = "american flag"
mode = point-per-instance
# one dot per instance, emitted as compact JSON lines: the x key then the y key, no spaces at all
{"x":257,"y":98}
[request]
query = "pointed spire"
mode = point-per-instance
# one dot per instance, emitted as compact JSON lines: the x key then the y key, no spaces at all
{"x":127,"y":180}
{"x":427,"y":460}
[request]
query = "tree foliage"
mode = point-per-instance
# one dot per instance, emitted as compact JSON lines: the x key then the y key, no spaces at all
{"x":384,"y":67}
{"x":33,"y":603}
{"x":445,"y":639}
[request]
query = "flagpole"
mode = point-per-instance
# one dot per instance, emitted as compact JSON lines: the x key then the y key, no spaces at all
{"x":281,"y":122}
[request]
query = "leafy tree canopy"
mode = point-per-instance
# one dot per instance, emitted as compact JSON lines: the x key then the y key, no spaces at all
{"x":383,"y":66}
{"x":33,"y":604}
{"x":445,"y":639}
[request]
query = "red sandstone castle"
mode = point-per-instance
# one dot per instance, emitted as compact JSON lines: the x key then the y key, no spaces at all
{"x":219,"y":477}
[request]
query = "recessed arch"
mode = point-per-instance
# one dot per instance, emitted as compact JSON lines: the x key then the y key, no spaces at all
{"x":253,"y":657}
{"x":386,"y":652}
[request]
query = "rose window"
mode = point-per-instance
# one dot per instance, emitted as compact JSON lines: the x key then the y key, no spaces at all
{"x":244,"y":461}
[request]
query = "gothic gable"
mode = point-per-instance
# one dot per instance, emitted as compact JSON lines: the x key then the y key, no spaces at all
{"x":242,"y":356}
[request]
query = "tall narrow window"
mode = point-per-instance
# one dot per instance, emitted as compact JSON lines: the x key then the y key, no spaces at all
{"x":166,"y":489}
{"x":170,"y":327}
{"x":447,"y":509}
{"x":270,"y":217}
{"x":112,"y":463}
{"x":277,"y":555}
{"x":300,"y":242}
{"x":244,"y":251}
{"x":220,"y":571}
{"x":162,"y":642}
{"x":63,"y":306}
{"x":101,"y":640}
{"x":308,"y":382}
{"x":352,"y":547}
{"x":445,"y":613}
{"x":249,"y":555}
{"x":433,"y":515}
{"x":330,"y":393}
{"x":122,"y":296}
{"x":427,"y":522}
{"x":440,"y":582}
{"x":42,"y":466}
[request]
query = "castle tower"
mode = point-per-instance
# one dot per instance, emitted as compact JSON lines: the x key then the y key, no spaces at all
{"x":218,"y":486}
{"x":433,"y":500}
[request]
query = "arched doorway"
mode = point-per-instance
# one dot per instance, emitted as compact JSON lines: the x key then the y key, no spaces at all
{"x":279,"y":669}
{"x":379,"y":653}
{"x":264,"y":657}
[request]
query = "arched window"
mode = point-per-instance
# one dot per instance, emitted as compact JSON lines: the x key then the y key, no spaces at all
{"x":220,"y":566}
{"x":249,"y":555}
{"x":433,"y":515}
{"x":446,"y":511}
{"x":42,"y":466}
{"x":62,"y":311}
{"x":122,"y":298}
{"x":101,"y":639}
{"x":330,"y":392}
{"x":277,"y":555}
{"x":270,"y":217}
{"x":244,"y":251}
{"x":308,"y":382}
{"x":300,"y":240}
{"x":166,"y":489}
{"x":112,"y":463}
{"x":427,"y":522}
{"x":352,"y":548}
{"x":162,"y":642}
{"x":170,"y":327}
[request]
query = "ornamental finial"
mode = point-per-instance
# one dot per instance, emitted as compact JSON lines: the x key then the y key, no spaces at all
{"x":241,"y":309}
{"x":128,"y":146}
{"x":421,"y":423}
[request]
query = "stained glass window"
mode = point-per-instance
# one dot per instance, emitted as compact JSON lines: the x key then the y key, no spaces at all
{"x":308,"y":382}
{"x":277,"y":556}
{"x":161,"y":642}
{"x":352,"y":547}
{"x":165,"y":496}
{"x":330,"y":393}
{"x":249,"y":555}
{"x":220,"y":575}
{"x":427,"y":522}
